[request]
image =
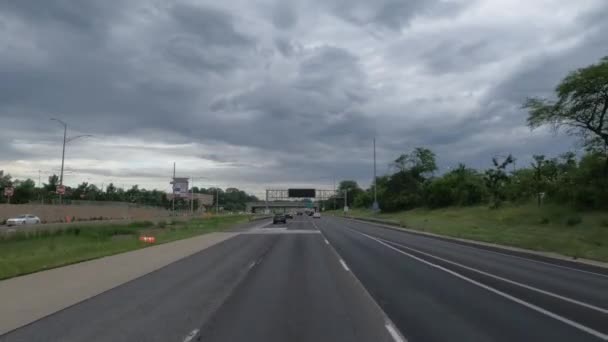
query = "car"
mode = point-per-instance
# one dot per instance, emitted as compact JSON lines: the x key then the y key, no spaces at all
{"x":23,"y":220}
{"x":299,"y":213}
{"x":289,"y":216}
{"x":279,"y":218}
{"x":316,"y":215}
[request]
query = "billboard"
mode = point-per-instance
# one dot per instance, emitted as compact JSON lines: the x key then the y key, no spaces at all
{"x":301,"y":193}
{"x":180,"y":187}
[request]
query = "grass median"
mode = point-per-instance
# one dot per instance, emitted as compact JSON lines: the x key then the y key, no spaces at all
{"x":551,"y":228}
{"x":23,"y":253}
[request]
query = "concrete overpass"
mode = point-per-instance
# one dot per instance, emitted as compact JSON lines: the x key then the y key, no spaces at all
{"x":284,"y":205}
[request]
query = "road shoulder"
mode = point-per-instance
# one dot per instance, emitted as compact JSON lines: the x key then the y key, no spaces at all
{"x":31,"y":297}
{"x":550,"y":257}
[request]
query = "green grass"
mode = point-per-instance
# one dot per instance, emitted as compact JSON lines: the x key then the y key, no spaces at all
{"x":26,"y":253}
{"x":551,"y":228}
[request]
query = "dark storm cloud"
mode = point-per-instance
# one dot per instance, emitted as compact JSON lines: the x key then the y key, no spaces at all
{"x":278,"y":90}
{"x":284,"y":15}
{"x":390,"y":14}
{"x":212,"y":26}
{"x":74,"y":15}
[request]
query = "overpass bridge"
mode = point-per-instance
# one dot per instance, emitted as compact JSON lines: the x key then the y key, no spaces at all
{"x":252,"y":207}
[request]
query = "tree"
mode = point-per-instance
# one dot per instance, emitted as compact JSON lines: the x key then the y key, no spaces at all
{"x":580,"y":108}
{"x":353,"y":191}
{"x":420,"y":161}
{"x":497,"y":179}
{"x":25,"y":191}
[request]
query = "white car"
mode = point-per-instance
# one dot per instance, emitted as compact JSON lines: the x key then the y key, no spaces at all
{"x":316,"y":215}
{"x":22,"y":220}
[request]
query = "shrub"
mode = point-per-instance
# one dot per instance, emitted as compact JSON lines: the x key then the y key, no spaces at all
{"x":544,"y":220}
{"x":573,"y":220}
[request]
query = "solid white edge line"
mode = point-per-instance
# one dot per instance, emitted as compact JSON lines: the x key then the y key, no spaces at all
{"x":532,"y":288}
{"x":326,"y":242}
{"x":498,"y":292}
{"x":344,"y":265}
{"x":446,"y":239}
{"x":191,"y":335}
{"x":394,"y":333}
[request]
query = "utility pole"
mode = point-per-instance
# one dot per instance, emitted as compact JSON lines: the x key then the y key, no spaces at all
{"x":217,"y":201}
{"x":173,"y":192}
{"x":375,"y":206}
{"x":191,"y":196}
{"x":335,"y":194}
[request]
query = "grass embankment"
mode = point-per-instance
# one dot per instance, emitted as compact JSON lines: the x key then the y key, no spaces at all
{"x":550,"y":228}
{"x":22,"y":253}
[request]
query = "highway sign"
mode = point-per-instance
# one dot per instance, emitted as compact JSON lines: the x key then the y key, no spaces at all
{"x":60,"y":189}
{"x":9,"y":191}
{"x":301,"y":193}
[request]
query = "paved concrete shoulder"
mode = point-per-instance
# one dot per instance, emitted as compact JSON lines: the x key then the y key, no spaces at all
{"x":28,"y":298}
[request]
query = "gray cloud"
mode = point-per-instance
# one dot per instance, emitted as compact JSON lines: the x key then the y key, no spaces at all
{"x":391,"y":14}
{"x":271,"y":92}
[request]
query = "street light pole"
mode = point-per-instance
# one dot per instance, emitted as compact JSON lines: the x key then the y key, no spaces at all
{"x":375,"y":206}
{"x":217,"y":201}
{"x":346,"y":200}
{"x":65,"y":135}
{"x":65,"y":141}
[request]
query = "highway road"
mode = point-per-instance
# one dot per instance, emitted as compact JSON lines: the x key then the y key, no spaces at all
{"x":333,"y":279}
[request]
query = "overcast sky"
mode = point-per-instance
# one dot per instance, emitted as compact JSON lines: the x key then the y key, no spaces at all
{"x":277,"y":93}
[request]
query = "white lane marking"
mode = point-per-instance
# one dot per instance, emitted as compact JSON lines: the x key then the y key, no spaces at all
{"x":498,"y":292}
{"x":344,"y":265}
{"x":191,"y":335}
{"x":480,"y":248}
{"x":532,"y":288}
{"x":394,"y":333}
{"x":326,"y":242}
{"x":253,"y":263}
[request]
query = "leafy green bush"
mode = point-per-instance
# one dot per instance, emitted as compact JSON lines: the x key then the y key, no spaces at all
{"x":574,"y":220}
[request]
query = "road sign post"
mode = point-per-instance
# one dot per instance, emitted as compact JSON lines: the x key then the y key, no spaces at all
{"x":8,"y":193}
{"x":60,"y":190}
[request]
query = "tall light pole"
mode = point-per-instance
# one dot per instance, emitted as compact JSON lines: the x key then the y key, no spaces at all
{"x":346,"y":200}
{"x":65,"y":140}
{"x":375,"y":206}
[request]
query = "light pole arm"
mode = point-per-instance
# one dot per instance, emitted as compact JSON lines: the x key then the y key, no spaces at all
{"x":77,"y":137}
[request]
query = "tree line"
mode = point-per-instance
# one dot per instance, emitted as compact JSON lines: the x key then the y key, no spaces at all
{"x":26,"y":191}
{"x":580,"y":180}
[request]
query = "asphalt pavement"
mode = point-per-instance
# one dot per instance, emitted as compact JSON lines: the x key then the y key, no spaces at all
{"x":333,"y":279}
{"x":436,"y":290}
{"x":277,"y":283}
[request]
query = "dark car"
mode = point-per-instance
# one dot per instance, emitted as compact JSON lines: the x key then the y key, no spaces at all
{"x":289,"y":216}
{"x":299,"y":213}
{"x":279,"y":218}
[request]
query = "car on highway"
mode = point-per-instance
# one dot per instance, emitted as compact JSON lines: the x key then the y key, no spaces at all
{"x":279,"y":218}
{"x":316,"y":215}
{"x":23,"y":220}
{"x":299,"y":213}
{"x":289,"y":215}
